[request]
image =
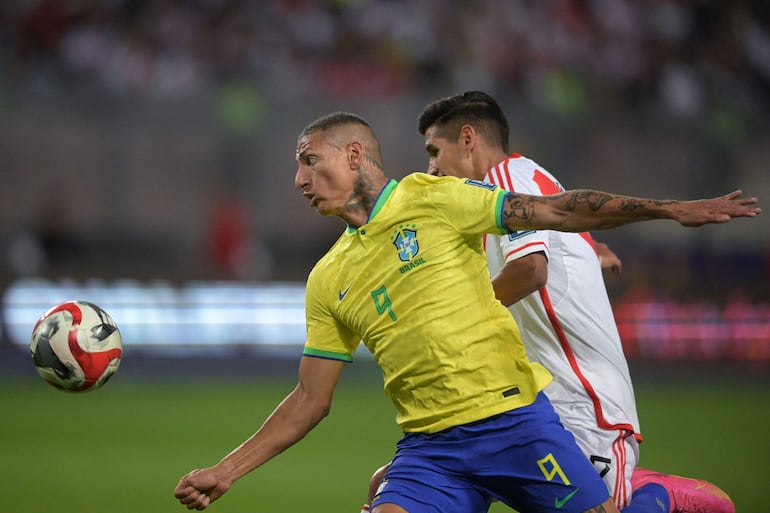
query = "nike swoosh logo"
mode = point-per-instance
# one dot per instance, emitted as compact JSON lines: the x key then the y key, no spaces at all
{"x":344,"y":293}
{"x":559,"y":503}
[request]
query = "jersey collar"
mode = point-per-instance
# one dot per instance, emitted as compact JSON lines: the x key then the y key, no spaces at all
{"x":382,"y":198}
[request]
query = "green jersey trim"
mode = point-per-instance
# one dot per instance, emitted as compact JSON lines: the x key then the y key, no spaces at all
{"x":382,"y":197}
{"x":500,"y":217}
{"x":329,"y":355}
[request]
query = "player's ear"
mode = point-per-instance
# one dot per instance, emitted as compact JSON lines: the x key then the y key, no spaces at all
{"x":355,"y":154}
{"x":467,"y":136}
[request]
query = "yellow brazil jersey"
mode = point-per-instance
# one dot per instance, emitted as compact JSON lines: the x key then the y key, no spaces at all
{"x":412,"y":284}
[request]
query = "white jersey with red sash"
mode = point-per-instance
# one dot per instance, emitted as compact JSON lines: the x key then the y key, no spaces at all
{"x":568,"y":326}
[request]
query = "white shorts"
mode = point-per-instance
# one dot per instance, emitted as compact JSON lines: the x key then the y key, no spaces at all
{"x":613,"y":453}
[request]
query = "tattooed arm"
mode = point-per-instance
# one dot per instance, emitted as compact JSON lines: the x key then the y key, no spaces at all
{"x":582,"y":210}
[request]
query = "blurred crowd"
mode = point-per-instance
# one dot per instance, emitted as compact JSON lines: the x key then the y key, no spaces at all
{"x":658,"y":328}
{"x":685,"y":56}
{"x":88,"y":107}
{"x":267,"y":64}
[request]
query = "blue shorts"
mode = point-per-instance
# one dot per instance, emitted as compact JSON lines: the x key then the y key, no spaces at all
{"x":524,"y":458}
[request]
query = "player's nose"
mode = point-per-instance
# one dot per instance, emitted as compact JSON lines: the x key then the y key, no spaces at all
{"x":301,"y":178}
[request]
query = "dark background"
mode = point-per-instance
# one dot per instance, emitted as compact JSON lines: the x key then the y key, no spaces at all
{"x":154,"y":140}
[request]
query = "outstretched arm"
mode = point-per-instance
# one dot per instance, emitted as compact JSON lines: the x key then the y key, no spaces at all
{"x":295,"y":417}
{"x":583,"y":210}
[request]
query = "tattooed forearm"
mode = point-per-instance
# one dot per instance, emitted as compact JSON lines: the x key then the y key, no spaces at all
{"x":632,"y":204}
{"x":519,"y":207}
{"x":583,"y":210}
{"x":594,"y":200}
{"x":577,"y":210}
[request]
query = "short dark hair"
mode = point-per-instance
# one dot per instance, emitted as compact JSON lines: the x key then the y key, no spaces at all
{"x":334,"y":120}
{"x":475,"y":108}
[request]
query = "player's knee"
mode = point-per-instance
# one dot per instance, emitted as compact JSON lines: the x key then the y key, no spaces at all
{"x":376,"y":479}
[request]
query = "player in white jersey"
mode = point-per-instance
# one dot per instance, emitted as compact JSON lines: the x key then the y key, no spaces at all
{"x":553,"y":285}
{"x":568,"y":326}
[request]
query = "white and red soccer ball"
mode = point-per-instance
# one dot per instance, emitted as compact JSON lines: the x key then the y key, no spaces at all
{"x":76,"y":346}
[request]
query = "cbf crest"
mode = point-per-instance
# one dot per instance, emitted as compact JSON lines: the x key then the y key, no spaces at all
{"x":405,"y":240}
{"x":407,"y":246}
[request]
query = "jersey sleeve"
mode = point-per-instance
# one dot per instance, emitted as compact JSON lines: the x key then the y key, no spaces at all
{"x":473,"y":207}
{"x":526,"y":178}
{"x":326,"y":336}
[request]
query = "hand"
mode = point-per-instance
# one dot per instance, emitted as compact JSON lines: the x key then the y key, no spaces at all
{"x":716,"y":210}
{"x":608,"y":259}
{"x":200,"y":488}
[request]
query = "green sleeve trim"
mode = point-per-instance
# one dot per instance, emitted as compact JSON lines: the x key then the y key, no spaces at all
{"x":329,"y":355}
{"x":500,"y":211}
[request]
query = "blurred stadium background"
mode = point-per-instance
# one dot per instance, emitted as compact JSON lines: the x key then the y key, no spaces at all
{"x":147,"y":161}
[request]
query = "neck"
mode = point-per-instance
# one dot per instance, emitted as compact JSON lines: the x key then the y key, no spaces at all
{"x":361,"y":202}
{"x":493,"y":158}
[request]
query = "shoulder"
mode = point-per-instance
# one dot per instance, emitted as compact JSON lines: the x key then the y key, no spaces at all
{"x":419,"y":187}
{"x":448,"y":192}
{"x":517,"y":166}
{"x":518,"y":173}
{"x":436,"y":183}
{"x":420,"y":179}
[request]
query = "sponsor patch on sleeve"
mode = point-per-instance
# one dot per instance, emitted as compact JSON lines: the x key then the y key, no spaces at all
{"x":479,"y":183}
{"x":519,"y":234}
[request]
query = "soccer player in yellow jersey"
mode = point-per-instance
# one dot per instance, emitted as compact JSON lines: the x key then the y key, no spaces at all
{"x":476,"y":425}
{"x":552,"y":283}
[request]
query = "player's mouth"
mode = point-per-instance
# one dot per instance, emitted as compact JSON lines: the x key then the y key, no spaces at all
{"x":312,"y":198}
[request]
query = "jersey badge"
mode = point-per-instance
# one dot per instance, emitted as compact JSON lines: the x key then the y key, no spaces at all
{"x":405,"y":240}
{"x":519,"y":234}
{"x":479,"y":183}
{"x":407,"y":246}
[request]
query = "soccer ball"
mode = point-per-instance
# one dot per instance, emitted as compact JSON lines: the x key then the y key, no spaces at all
{"x":76,"y":346}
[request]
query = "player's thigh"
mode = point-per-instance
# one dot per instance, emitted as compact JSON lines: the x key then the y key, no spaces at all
{"x":613,"y":453}
{"x":422,"y":489}
{"x":539,"y":466}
